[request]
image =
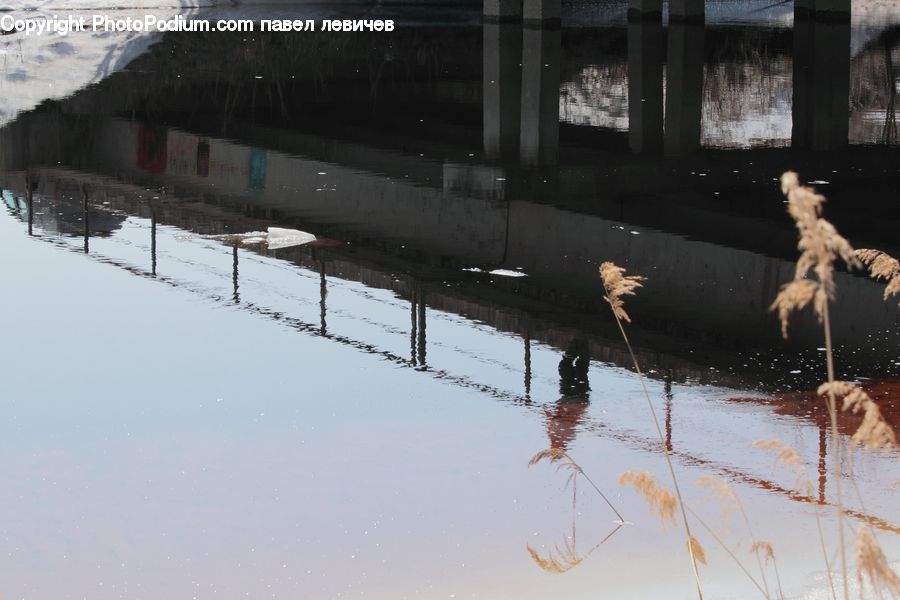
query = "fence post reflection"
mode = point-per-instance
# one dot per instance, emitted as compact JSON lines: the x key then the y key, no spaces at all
{"x":323,"y":294}
{"x":823,"y":453}
{"x":669,"y":397}
{"x":527,"y":339}
{"x":235,"y":276}
{"x":413,"y":331}
{"x":86,"y":218}
{"x":29,"y":194}
{"x":153,"y":243}
{"x":421,"y":307}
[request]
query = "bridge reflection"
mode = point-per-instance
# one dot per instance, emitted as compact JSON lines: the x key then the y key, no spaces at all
{"x":492,"y":179}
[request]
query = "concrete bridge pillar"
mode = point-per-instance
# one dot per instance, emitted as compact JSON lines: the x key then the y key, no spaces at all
{"x":821,"y":98}
{"x":539,"y":132}
{"x":542,"y":12}
{"x":501,"y":91}
{"x":824,"y":10}
{"x":645,"y":10}
{"x":502,"y":11}
{"x":645,"y":86}
{"x":684,"y":88}
{"x":687,"y":10}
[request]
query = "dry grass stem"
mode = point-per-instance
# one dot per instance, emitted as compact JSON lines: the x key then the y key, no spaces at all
{"x":618,"y":284}
{"x":660,"y":500}
{"x":882,"y":267}
{"x":820,"y":246}
{"x":788,"y":458}
{"x":874,"y":433}
{"x":730,"y":501}
{"x":870,"y":562}
{"x":722,"y":492}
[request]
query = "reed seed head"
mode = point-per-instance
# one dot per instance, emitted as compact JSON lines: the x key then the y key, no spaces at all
{"x":697,"y":550}
{"x":882,"y":267}
{"x":820,"y":246}
{"x":874,"y":433}
{"x":721,"y":491}
{"x":871,"y":562}
{"x":660,"y":500}
{"x":788,"y":458}
{"x":765,"y":548}
{"x":617,"y":285}
{"x":559,"y":560}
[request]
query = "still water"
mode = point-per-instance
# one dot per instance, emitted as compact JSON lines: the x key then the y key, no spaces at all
{"x":191,"y":414}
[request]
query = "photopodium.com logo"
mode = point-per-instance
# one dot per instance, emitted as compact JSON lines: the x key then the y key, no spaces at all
{"x":103,"y":23}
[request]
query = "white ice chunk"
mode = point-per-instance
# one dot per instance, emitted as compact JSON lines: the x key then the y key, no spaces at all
{"x":285,"y":238}
{"x":507,"y":273}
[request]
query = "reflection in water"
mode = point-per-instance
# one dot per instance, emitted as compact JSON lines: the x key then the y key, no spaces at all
{"x":503,"y":145}
{"x":323,"y":293}
{"x":235,"y":281}
{"x":574,"y":396}
{"x":85,"y":218}
{"x":566,"y":557}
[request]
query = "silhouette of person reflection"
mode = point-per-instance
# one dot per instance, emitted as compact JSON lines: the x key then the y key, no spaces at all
{"x":570,"y":410}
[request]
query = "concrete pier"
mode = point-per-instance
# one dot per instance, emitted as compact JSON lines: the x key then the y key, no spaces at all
{"x":539,"y":132}
{"x":502,"y":11}
{"x":545,"y":13}
{"x":645,"y":86}
{"x":821,"y":98}
{"x":684,"y":88}
{"x":823,"y":10}
{"x":502,"y":85}
{"x":693,"y":11}
{"x":645,"y":10}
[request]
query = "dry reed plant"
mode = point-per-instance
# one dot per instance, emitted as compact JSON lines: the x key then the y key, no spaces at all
{"x":882,"y":267}
{"x":618,"y":285}
{"x":559,"y":560}
{"x":874,"y":433}
{"x":563,"y":461}
{"x":870,"y":561}
{"x":660,"y":500}
{"x":730,"y":502}
{"x":562,"y":559}
{"x":764,"y":548}
{"x":788,"y":458}
{"x":820,"y":247}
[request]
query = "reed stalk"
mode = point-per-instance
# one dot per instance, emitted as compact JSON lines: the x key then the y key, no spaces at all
{"x":617,"y":284}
